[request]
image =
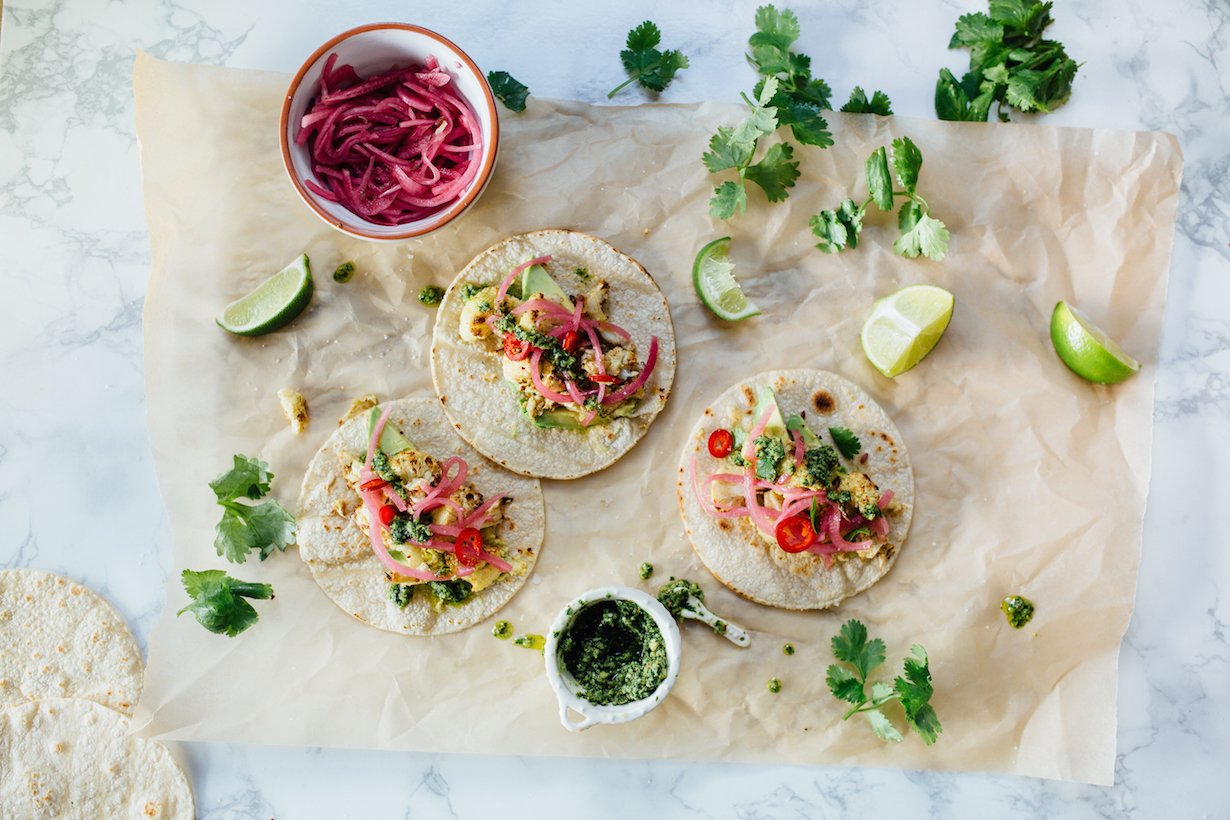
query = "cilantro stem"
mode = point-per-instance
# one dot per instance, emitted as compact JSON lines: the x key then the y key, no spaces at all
{"x":622,"y":86}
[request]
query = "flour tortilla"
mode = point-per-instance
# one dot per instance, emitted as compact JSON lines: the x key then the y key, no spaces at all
{"x":731,"y":548}
{"x":483,"y":406}
{"x":339,"y":553}
{"x":70,"y":758}
{"x":59,"y":639}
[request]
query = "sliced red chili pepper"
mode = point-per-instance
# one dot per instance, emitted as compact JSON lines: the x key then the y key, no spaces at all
{"x":604,"y":378}
{"x":721,"y":443}
{"x":374,"y":484}
{"x":570,"y":342}
{"x":795,"y":534}
{"x":468,"y":547}
{"x":387,"y":513}
{"x":514,"y":348}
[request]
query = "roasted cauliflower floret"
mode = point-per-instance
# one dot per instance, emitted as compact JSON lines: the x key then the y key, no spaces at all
{"x":596,"y":300}
{"x":863,"y":493}
{"x":474,"y":315}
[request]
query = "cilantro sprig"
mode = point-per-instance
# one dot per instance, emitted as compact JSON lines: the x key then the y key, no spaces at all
{"x":506,"y":88}
{"x":245,"y":527}
{"x":920,"y":233}
{"x":218,"y":600}
{"x":848,"y":682}
{"x":785,"y":95}
{"x":847,"y":443}
{"x":1010,"y":64}
{"x":775,"y":172}
{"x":646,"y":65}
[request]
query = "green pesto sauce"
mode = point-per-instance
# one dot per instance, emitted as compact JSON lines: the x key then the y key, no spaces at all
{"x":431,"y":295}
{"x":646,"y":570}
{"x":788,"y":649}
{"x":531,"y":641}
{"x":615,"y":652}
{"x":502,"y":630}
{"x":1018,"y":610}
{"x":344,"y":272}
{"x":775,"y":685}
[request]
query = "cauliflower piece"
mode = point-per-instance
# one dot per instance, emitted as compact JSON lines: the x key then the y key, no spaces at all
{"x":474,"y":315}
{"x":360,"y":405}
{"x":863,"y":492}
{"x":596,"y":300}
{"x":412,"y":465}
{"x":294,"y":405}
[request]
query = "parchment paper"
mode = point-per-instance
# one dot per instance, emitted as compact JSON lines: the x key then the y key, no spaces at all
{"x":1029,"y":480}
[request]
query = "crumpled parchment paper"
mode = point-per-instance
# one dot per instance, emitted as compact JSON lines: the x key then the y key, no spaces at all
{"x":1029,"y":480}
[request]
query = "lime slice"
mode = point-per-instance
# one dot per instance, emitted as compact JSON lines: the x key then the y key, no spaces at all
{"x":713,"y":278}
{"x":903,"y":327}
{"x":275,"y":301}
{"x":1086,"y":350}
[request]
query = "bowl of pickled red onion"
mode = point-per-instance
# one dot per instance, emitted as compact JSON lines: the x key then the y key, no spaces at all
{"x":389,"y":131}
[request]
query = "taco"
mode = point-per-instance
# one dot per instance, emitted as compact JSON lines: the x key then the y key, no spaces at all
{"x":796,"y":489}
{"x":552,"y":353}
{"x":408,"y":529}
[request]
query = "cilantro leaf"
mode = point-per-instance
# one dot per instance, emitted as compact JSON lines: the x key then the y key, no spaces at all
{"x":806,"y":122}
{"x":907,"y":161}
{"x":915,"y":690}
{"x":775,"y":33}
{"x":927,"y":236}
{"x":644,"y":37}
{"x":859,"y":104}
{"x":846,"y":442}
{"x":727,"y":152}
{"x":218,"y":600}
{"x":845,"y":685}
{"x":776,"y":172}
{"x":958,"y":102}
{"x":727,"y":198}
{"x":882,"y":727}
{"x":879,"y":183}
{"x":838,"y":229}
{"x":645,"y":64}
{"x":248,"y":478}
{"x":506,"y":88}
{"x":850,"y":644}
{"x":243,"y":528}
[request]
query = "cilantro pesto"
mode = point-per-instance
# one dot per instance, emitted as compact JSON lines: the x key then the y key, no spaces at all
{"x":615,"y":652}
{"x":1018,"y":610}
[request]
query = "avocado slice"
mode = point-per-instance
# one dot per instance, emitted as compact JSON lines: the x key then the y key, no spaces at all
{"x":392,"y":441}
{"x":558,"y":420}
{"x":535,"y":279}
{"x":766,"y":398}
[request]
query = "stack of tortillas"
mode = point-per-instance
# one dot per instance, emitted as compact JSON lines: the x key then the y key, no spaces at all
{"x":70,"y":673}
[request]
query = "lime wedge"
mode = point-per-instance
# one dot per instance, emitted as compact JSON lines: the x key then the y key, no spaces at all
{"x":713,"y":278}
{"x":1086,"y":350}
{"x":904,"y":326}
{"x":275,"y":301}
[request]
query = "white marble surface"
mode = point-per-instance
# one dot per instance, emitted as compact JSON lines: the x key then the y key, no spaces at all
{"x":77,"y":488}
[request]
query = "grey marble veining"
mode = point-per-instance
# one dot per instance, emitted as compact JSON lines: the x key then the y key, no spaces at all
{"x":78,"y":494}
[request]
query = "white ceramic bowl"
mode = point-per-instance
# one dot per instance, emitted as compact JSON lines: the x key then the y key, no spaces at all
{"x":565,"y":685}
{"x":373,"y":49}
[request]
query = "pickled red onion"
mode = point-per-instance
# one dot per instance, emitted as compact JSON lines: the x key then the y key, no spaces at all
{"x":536,"y":377}
{"x":631,"y":387}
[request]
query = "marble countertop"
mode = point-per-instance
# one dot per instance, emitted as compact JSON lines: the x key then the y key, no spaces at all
{"x":74,"y":260}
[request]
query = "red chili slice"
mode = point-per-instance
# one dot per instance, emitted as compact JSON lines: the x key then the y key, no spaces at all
{"x":468,"y":547}
{"x":795,"y":534}
{"x":570,"y":342}
{"x":721,"y":443}
{"x":514,"y":348}
{"x":374,"y":484}
{"x":604,"y":378}
{"x":387,"y":513}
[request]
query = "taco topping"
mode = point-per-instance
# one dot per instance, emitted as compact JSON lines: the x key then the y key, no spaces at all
{"x":570,"y":366}
{"x":793,"y":487}
{"x":425,"y":524}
